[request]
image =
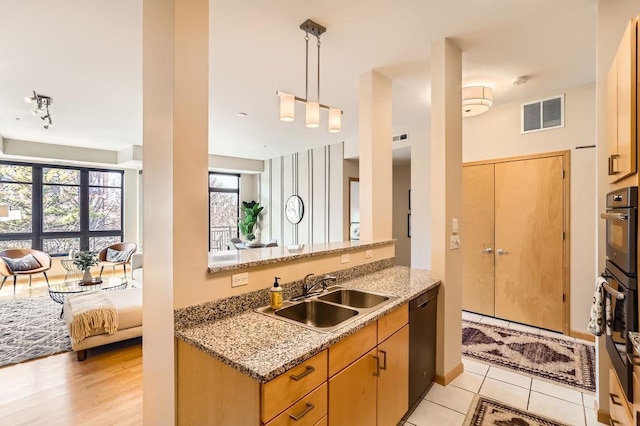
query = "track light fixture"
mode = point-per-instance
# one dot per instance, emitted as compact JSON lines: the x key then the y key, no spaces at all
{"x":287,"y":100}
{"x":42,"y":104}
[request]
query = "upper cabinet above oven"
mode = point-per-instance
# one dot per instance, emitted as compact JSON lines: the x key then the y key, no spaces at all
{"x":622,"y":107}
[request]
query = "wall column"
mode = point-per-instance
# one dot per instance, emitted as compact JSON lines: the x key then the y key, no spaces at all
{"x":175,"y":136}
{"x":446,"y":202}
{"x":376,"y":173}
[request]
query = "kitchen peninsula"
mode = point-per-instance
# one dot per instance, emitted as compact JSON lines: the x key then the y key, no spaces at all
{"x":237,"y":366}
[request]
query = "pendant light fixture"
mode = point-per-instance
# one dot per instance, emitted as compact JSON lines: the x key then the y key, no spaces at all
{"x":313,"y":107}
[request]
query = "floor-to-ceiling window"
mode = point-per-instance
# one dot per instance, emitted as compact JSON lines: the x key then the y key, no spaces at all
{"x":224,"y":197}
{"x":57,"y":208}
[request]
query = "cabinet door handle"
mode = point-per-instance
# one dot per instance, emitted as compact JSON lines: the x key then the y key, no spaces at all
{"x":305,"y":373}
{"x":303,"y":413}
{"x":384,"y":361}
{"x":487,"y":250}
{"x":613,"y":397}
{"x":501,"y":251}
{"x":612,"y":168}
{"x":377,"y":373}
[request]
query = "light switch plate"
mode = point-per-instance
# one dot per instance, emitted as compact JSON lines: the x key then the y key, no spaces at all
{"x":344,"y":258}
{"x":454,"y":226}
{"x":238,"y":280}
{"x":454,"y":242}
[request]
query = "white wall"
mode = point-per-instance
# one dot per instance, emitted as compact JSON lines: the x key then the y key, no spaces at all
{"x":316,"y":176}
{"x":401,"y":186}
{"x":496,"y":134}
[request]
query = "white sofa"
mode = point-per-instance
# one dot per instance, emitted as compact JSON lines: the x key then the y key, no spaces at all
{"x":128,"y":303}
{"x":136,"y":269}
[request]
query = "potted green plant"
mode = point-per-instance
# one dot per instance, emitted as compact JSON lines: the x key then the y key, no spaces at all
{"x":247,"y":224}
{"x":84,"y":260}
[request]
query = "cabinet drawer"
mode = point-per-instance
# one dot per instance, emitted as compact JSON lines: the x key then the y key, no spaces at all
{"x":322,"y":422}
{"x":353,"y":347}
{"x":279,"y":393}
{"x":390,"y":323}
{"x":306,"y":412}
{"x":618,"y":407}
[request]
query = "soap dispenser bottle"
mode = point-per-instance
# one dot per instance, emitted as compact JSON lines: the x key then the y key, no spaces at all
{"x":276,"y":295}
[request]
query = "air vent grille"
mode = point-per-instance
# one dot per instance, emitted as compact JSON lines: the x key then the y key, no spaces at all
{"x":543,"y":115}
{"x":400,"y":137}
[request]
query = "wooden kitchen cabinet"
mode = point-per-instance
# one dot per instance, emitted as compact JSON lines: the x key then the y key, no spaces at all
{"x":622,"y":105}
{"x":618,"y":406}
{"x":393,"y":382}
{"x":352,"y":393}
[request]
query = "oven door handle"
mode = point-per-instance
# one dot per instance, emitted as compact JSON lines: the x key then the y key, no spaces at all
{"x":614,"y":216}
{"x":614,"y":293}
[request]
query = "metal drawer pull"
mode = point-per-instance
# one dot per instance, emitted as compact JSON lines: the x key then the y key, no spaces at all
{"x":614,"y":216}
{"x":487,"y":250}
{"x":306,"y":372}
{"x":613,"y":397}
{"x":614,"y":293}
{"x":304,"y":412}
{"x":384,"y":363}
{"x":377,"y":373}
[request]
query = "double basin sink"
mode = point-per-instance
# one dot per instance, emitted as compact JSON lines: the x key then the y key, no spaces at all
{"x":329,"y":310}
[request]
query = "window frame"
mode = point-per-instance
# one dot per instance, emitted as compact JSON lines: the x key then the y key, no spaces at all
{"x":225,"y":191}
{"x":37,"y":234}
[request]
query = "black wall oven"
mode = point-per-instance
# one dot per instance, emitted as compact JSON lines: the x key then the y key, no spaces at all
{"x":620,"y":290}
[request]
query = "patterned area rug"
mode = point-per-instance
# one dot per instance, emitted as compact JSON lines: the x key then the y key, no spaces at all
{"x":487,"y":412}
{"x":563,"y":361}
{"x":31,"y":328}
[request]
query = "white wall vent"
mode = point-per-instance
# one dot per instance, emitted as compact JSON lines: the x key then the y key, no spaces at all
{"x":400,"y":137}
{"x":545,"y":114}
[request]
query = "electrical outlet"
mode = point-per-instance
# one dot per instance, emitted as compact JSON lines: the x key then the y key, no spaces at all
{"x":344,"y":258}
{"x":368,"y":254}
{"x":454,"y":242}
{"x":238,"y":280}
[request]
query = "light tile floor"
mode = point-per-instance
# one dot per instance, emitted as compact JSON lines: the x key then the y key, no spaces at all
{"x":449,"y":405}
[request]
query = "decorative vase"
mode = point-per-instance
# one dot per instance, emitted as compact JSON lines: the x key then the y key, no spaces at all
{"x":86,"y":277}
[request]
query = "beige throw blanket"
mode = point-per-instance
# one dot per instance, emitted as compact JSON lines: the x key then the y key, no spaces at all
{"x":91,"y":311}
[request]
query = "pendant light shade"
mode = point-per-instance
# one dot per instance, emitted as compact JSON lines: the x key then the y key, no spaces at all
{"x":287,"y":107}
{"x":335,"y":120}
{"x":476,"y":100}
{"x":313,"y":114}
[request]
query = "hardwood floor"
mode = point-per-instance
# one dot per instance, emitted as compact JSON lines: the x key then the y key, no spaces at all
{"x":106,"y":389}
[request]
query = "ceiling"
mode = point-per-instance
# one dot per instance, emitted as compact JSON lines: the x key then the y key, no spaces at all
{"x":88,"y":57}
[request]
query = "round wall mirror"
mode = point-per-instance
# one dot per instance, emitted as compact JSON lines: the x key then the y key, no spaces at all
{"x":294,"y":209}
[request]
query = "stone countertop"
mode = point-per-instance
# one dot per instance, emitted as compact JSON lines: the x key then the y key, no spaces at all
{"x":634,"y":336}
{"x":228,"y":260}
{"x":263,"y":347}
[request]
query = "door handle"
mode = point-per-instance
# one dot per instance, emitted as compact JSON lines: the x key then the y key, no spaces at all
{"x":384,"y":362}
{"x":377,"y":373}
{"x":487,"y":250}
{"x":501,"y":251}
{"x":613,"y":397}
{"x":612,"y":167}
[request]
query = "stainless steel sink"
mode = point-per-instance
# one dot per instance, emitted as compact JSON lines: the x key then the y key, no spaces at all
{"x":317,"y":314}
{"x":354,"y":298}
{"x":328,"y":311}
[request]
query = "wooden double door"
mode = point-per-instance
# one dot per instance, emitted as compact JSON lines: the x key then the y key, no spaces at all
{"x":515,"y":247}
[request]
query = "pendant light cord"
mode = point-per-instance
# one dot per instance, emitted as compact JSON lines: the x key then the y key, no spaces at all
{"x":318,"y":98}
{"x":306,"y":67}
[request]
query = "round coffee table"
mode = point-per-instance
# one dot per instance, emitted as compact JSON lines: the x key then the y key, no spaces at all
{"x":60,"y":291}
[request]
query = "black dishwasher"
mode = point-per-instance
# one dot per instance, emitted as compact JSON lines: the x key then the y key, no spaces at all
{"x":422,"y":343}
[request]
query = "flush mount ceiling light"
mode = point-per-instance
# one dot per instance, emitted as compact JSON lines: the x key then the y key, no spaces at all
{"x":287,"y":100}
{"x":476,"y":100}
{"x":42,"y":104}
